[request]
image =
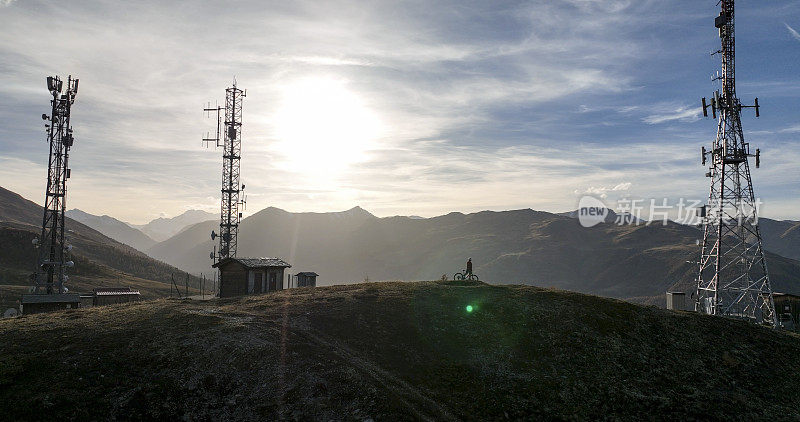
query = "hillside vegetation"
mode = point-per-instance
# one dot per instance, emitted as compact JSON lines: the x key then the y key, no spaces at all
{"x":99,"y":260}
{"x":395,"y":351}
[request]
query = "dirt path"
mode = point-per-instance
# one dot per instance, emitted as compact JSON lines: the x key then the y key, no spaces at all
{"x":416,"y":401}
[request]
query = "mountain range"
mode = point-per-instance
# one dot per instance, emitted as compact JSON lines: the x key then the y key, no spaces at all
{"x":634,"y":262}
{"x":113,"y":228}
{"x":163,"y":228}
{"x":140,"y":236}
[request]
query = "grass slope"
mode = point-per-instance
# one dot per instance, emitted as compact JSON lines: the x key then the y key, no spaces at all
{"x":395,"y":351}
{"x":18,"y":214}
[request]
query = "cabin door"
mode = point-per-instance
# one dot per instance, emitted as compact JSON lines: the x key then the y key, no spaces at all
{"x":262,"y":281}
{"x":273,"y":281}
{"x":251,"y":281}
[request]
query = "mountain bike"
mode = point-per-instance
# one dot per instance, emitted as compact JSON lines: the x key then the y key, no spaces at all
{"x":465,"y":276}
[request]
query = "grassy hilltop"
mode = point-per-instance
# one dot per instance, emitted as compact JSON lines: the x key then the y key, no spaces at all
{"x":395,"y":351}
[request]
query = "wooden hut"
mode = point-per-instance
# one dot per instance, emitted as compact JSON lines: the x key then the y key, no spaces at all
{"x":243,"y":276}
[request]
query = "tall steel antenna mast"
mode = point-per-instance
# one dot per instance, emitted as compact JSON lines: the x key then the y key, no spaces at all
{"x":733,"y":279}
{"x":231,"y":157}
{"x":51,"y":264}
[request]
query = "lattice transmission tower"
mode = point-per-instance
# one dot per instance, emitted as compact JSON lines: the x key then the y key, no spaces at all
{"x":733,"y":279}
{"x":52,"y":261}
{"x":231,"y":143}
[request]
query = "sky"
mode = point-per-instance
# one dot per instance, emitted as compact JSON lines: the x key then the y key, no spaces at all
{"x":400,"y":107}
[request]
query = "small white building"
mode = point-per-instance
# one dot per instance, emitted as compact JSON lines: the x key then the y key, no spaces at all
{"x":676,"y":301}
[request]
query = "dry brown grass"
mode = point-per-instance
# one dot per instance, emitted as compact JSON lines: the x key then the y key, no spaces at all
{"x":395,"y":351}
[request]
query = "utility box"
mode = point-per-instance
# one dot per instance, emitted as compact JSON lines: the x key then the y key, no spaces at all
{"x":676,"y":301}
{"x":306,"y":279}
{"x":787,"y":306}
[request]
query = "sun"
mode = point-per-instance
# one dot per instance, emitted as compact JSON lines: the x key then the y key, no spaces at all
{"x":323,"y":126}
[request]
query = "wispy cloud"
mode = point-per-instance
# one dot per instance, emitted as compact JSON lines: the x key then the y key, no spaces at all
{"x":792,"y":31}
{"x":602,"y":191}
{"x":791,"y":129}
{"x":669,"y":114}
{"x":525,"y":102}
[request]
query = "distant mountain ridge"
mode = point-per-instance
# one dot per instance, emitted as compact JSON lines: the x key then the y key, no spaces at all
{"x":140,"y":236}
{"x":118,"y":230}
{"x":635,"y":262}
{"x":781,"y":236}
{"x":163,"y":228}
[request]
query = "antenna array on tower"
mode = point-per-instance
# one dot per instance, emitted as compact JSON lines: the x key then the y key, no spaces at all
{"x":231,"y":142}
{"x":733,"y":278}
{"x":51,"y":263}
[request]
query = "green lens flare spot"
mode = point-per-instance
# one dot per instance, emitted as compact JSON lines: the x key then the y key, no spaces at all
{"x":469,"y":308}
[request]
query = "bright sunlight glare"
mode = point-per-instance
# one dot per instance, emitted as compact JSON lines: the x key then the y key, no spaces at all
{"x":323,"y":126}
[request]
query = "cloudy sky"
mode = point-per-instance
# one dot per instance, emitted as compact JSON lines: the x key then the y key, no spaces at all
{"x":401,"y":107}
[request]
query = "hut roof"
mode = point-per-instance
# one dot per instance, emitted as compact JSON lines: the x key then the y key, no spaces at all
{"x":255,"y":262}
{"x":51,"y":298}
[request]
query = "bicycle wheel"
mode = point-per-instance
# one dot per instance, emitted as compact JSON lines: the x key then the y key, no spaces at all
{"x":458,"y":276}
{"x":473,"y":277}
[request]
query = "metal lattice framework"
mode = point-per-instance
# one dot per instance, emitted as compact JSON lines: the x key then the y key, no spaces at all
{"x":733,"y":278}
{"x":51,"y":263}
{"x":231,"y":157}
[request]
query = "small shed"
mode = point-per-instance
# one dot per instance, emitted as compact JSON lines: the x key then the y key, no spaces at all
{"x":38,"y":303}
{"x":787,"y":306}
{"x":243,"y":276}
{"x":306,"y":279}
{"x":676,"y":301}
{"x":112,"y":295}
